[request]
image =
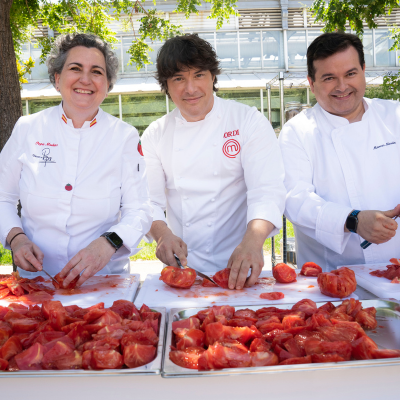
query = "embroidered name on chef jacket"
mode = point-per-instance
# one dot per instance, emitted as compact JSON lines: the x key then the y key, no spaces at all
{"x":231,"y":147}
{"x":383,"y":145}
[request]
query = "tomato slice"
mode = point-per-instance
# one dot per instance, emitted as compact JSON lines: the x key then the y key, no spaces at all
{"x":259,"y":344}
{"x":221,"y":278}
{"x":272,"y":296}
{"x":30,"y":359}
{"x":283,"y":273}
{"x":146,"y":337}
{"x":189,"y":323}
{"x":60,"y":281}
{"x":123,"y":308}
{"x":106,"y":359}
{"x":178,"y":278}
{"x":69,"y":361}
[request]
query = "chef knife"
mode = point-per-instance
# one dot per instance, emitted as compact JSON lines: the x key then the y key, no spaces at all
{"x":366,"y":244}
{"x":198,"y":273}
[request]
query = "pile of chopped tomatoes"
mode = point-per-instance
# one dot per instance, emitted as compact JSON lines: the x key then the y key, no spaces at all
{"x":392,"y":272}
{"x":15,"y":288}
{"x":221,"y":337}
{"x":57,"y":337}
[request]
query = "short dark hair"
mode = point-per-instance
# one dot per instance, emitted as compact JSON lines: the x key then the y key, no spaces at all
{"x":329,"y":44}
{"x":64,"y":43}
{"x":187,"y":51}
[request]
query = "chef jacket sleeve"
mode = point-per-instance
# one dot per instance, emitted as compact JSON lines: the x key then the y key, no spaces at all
{"x":156,"y":175}
{"x":136,"y":211}
{"x":319,"y":219}
{"x":263,"y":172}
{"x":10,"y":171}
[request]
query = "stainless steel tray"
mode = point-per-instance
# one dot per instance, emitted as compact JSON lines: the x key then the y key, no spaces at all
{"x":152,"y":368}
{"x":386,"y":335}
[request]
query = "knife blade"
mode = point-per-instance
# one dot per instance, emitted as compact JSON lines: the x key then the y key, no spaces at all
{"x":366,"y":244}
{"x":198,"y":273}
{"x":57,"y":284}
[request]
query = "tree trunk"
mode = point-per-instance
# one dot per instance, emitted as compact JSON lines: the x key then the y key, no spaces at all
{"x":10,"y":95}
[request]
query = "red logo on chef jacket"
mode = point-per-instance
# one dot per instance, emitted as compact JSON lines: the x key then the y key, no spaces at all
{"x":231,"y":148}
{"x":139,"y":148}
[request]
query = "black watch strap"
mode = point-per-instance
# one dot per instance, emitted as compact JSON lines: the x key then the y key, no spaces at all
{"x":113,"y":239}
{"x":352,"y":221}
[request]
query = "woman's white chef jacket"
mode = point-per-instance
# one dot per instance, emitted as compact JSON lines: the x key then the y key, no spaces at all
{"x":213,"y":177}
{"x":74,"y":185}
{"x":333,"y":167}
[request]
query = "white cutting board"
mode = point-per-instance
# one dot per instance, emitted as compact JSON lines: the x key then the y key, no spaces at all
{"x":155,"y":292}
{"x":98,"y":288}
{"x":380,"y":287}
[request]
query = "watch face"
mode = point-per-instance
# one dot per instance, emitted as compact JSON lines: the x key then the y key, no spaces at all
{"x":115,"y":239}
{"x":351,"y":223}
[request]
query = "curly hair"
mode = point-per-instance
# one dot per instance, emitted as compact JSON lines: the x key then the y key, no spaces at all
{"x":329,"y":44}
{"x":58,"y":55}
{"x":187,"y":51}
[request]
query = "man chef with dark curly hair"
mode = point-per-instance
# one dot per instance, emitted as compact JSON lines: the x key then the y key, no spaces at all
{"x":215,"y":166}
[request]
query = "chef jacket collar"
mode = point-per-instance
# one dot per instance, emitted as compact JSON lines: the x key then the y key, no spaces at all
{"x":86,"y":124}
{"x":211,"y":114}
{"x":339,"y":122}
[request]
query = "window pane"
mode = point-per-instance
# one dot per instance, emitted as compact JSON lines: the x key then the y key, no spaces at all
{"x":111,"y":105}
{"x":383,"y":43}
{"x":273,"y":49}
{"x":251,"y":97}
{"x":126,"y":43}
{"x":39,"y":105}
{"x":250,"y":49}
{"x":297,"y":48}
{"x":23,"y":107}
{"x":141,"y":110}
{"x":227,"y":49}
{"x":40,"y":70}
{"x":117,"y":51}
{"x":368,"y":48}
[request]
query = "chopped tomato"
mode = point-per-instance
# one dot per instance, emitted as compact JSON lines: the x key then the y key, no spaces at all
{"x":272,"y":296}
{"x":136,"y":355}
{"x":310,"y":269}
{"x":323,"y":358}
{"x":30,"y":359}
{"x":23,"y":325}
{"x":263,"y":359}
{"x":123,"y":308}
{"x":221,"y":278}
{"x":58,"y":350}
{"x":60,"y":281}
{"x":146,"y":337}
{"x":341,"y":348}
{"x":259,"y":344}
{"x":207,"y":283}
{"x":106,"y":359}
{"x":11,"y":348}
{"x":362,"y":348}
{"x":192,"y":338}
{"x":245,"y":313}
{"x":283,"y":273}
{"x":189,"y":323}
{"x":69,"y":361}
{"x":385,"y":353}
{"x":307,"y":306}
{"x":178,"y":278}
{"x":297,"y":360}
{"x":366,"y":320}
{"x":187,"y":358}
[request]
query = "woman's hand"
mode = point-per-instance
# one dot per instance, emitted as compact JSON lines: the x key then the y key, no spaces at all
{"x":26,"y":254}
{"x":90,"y":260}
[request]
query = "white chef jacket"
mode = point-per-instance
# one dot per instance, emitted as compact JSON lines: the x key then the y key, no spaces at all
{"x":333,"y":167}
{"x":213,"y":177}
{"x":107,"y":186}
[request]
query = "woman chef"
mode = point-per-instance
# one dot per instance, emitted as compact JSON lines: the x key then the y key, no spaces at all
{"x":342,"y":162}
{"x":214,"y":165}
{"x":77,"y":171}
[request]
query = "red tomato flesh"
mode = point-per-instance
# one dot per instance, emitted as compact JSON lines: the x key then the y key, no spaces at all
{"x":178,"y":278}
{"x":283,"y":273}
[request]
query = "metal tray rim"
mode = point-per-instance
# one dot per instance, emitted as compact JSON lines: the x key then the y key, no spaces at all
{"x":188,"y":373}
{"x":152,"y":368}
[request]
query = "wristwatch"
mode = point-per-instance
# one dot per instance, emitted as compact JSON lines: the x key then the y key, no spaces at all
{"x":113,"y":239}
{"x":352,"y":221}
